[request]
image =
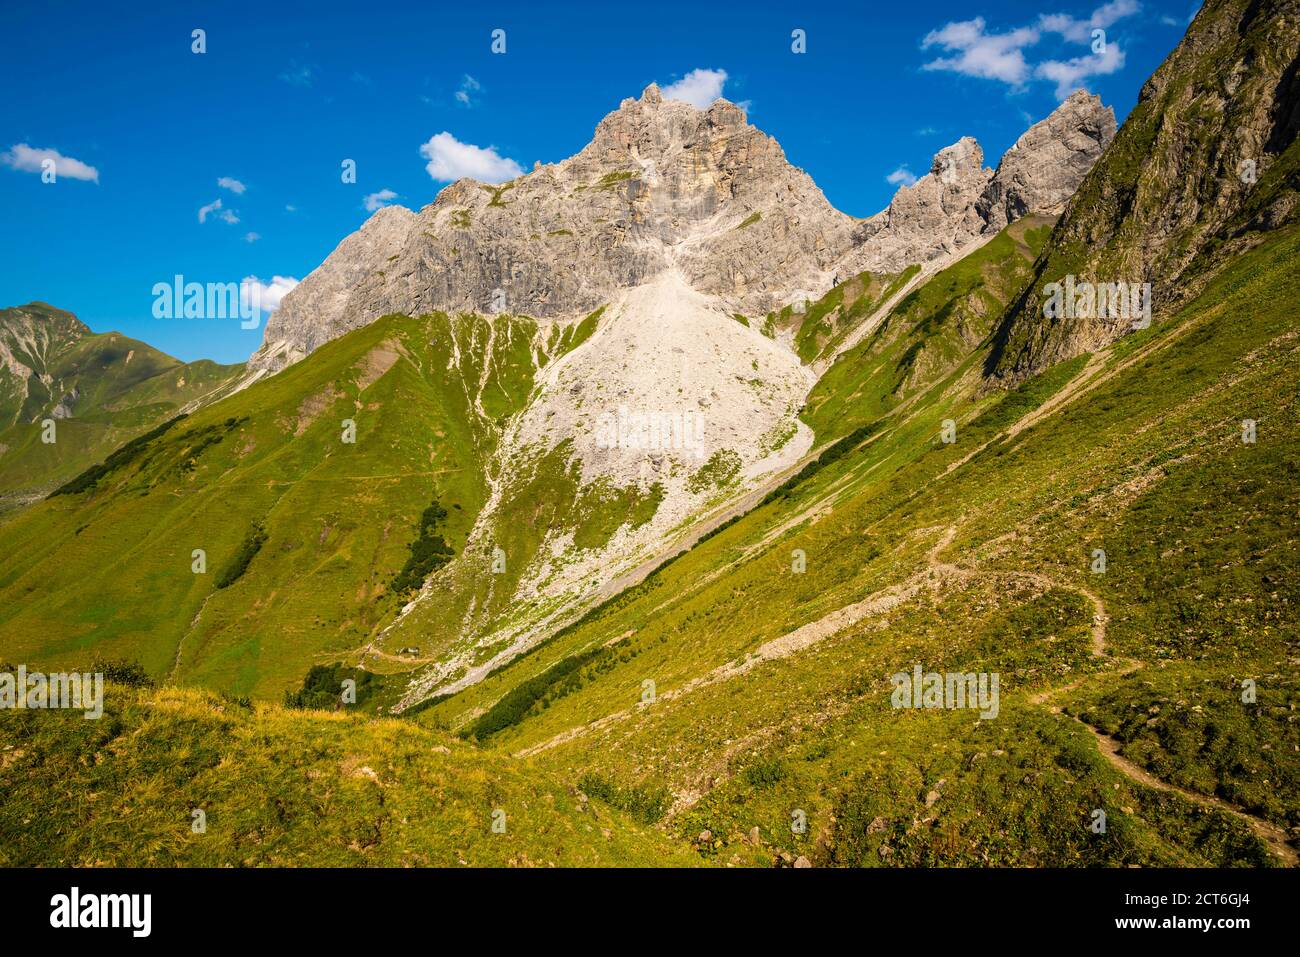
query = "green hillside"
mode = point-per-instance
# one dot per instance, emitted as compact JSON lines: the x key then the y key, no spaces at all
{"x":970,"y":556}
{"x":927,"y":334}
{"x":101,"y":390}
{"x":976,"y":556}
{"x":1103,"y":521}
{"x":1204,"y":167}
{"x":285,"y":788}
{"x":303,"y":531}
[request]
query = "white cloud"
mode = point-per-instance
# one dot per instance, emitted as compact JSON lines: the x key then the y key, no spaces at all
{"x":901,"y":175}
{"x":263,"y":296}
{"x":1070,"y":74}
{"x":991,"y":56}
{"x":232,"y":184}
{"x":698,"y":88}
{"x":468,"y":87}
{"x":215,"y":208}
{"x":1001,"y":56}
{"x":28,"y":159}
{"x":290,"y":208}
{"x":252,"y":237}
{"x":1080,"y":31}
{"x":450,"y":159}
{"x":378,"y":200}
{"x":299,"y":74}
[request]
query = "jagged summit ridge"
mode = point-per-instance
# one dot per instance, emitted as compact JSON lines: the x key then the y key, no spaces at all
{"x":960,"y":200}
{"x":662,"y":185}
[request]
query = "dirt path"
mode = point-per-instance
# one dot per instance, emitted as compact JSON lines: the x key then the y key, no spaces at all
{"x":935,"y":573}
{"x":1270,"y":834}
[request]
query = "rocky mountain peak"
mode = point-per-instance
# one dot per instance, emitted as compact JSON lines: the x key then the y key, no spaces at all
{"x":960,"y":200}
{"x":963,"y":160}
{"x":1046,"y":164}
{"x":664,"y":185}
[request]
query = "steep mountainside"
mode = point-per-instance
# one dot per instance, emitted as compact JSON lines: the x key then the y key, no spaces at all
{"x":959,"y":199}
{"x":318,"y":498}
{"x":31,"y":339}
{"x":1205,"y":166}
{"x":661,"y":184}
{"x":513,"y":469}
{"x":689,"y":256}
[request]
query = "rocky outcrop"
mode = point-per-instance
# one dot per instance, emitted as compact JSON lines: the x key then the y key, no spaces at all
{"x":661,"y":182}
{"x":934,"y":217}
{"x":1203,"y":168}
{"x":31,"y":337}
{"x":1045,"y":166}
{"x":959,"y":200}
{"x":665,"y":185}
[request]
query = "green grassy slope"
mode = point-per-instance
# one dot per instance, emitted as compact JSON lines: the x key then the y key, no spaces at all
{"x":103,"y":390}
{"x":731,"y":691}
{"x":284,"y":788}
{"x":927,"y":334}
{"x":1205,"y":165}
{"x":974,"y":556}
{"x":33,"y":336}
{"x":304,"y":530}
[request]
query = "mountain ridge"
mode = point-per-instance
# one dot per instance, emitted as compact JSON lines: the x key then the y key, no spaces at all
{"x":663,"y":182}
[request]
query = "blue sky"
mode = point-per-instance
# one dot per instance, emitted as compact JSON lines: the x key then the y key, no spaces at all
{"x":145,"y":134}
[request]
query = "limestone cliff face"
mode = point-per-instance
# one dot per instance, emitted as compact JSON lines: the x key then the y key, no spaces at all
{"x":960,"y":200}
{"x":665,"y":186}
{"x":1204,"y":166}
{"x":934,"y":217}
{"x":660,"y":183}
{"x":1045,"y":166}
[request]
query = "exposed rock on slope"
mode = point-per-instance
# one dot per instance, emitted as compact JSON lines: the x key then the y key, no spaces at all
{"x":669,"y":225}
{"x":1204,"y":164}
{"x":562,"y":240}
{"x":960,"y":200}
{"x":31,"y":339}
{"x":1044,"y":167}
{"x":626,"y":439}
{"x":665,"y":183}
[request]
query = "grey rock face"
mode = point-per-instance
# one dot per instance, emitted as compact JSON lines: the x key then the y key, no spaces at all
{"x":935,"y":216}
{"x":665,"y":185}
{"x":660,"y":182}
{"x":959,"y":200}
{"x":1045,"y":166}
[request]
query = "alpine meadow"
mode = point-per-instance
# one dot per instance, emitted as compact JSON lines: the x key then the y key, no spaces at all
{"x":641,"y":508}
